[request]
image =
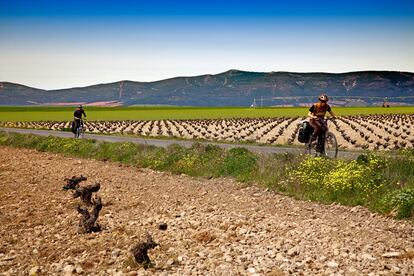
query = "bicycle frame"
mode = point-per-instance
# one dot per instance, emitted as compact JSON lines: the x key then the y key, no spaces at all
{"x":79,"y":130}
{"x":329,"y":148}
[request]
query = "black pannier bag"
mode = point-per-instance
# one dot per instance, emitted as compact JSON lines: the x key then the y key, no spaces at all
{"x":305,"y":131}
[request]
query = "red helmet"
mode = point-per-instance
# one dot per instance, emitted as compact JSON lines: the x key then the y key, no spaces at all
{"x":323,"y":97}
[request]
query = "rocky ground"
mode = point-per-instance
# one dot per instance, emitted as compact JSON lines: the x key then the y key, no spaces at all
{"x":215,"y":227}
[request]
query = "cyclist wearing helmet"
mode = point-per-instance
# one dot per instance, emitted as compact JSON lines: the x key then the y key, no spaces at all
{"x":317,"y":118}
{"x":78,"y":116}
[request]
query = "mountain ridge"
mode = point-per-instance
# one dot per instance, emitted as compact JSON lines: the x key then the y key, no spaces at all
{"x":229,"y":88}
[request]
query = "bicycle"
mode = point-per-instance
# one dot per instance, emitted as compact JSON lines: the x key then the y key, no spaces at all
{"x":329,"y":148}
{"x":79,"y":133}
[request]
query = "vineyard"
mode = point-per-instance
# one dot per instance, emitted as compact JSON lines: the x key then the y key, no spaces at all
{"x":373,"y":132}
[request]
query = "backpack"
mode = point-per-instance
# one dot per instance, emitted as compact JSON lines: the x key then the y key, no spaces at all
{"x":305,"y":131}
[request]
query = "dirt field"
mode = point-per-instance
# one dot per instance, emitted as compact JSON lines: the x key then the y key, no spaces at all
{"x":215,"y":227}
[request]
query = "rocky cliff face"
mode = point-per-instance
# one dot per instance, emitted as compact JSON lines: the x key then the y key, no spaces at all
{"x":231,"y":88}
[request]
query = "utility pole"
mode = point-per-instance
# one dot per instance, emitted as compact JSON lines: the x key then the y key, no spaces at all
{"x":261,"y":101}
{"x":254,"y":103}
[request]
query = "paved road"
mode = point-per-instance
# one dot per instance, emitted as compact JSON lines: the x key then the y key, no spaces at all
{"x":167,"y":142}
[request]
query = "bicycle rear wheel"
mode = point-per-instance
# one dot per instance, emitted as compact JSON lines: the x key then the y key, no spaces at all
{"x":80,"y":132}
{"x":331,"y":145}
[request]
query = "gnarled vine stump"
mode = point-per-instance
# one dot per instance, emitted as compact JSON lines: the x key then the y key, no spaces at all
{"x":85,"y":193}
{"x":140,"y":251}
{"x":87,"y":223}
{"x":73,"y":183}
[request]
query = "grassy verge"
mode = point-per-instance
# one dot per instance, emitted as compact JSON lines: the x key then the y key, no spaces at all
{"x":380,"y":182}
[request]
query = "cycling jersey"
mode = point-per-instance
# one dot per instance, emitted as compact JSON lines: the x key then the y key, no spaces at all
{"x":78,"y":113}
{"x":320,"y":109}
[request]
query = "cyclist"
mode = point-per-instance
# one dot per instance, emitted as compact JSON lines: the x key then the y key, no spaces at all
{"x":317,"y":120}
{"x":78,"y":116}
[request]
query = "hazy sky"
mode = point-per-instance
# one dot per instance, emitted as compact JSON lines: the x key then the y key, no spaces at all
{"x":57,"y":44}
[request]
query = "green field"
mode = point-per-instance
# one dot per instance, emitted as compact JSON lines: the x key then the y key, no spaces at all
{"x":154,"y":113}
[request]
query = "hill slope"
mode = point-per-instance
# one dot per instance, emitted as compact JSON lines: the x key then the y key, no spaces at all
{"x":231,"y":88}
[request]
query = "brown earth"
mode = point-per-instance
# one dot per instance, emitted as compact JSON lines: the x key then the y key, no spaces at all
{"x":215,"y":227}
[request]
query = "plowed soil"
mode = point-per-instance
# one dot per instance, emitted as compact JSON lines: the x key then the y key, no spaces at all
{"x":215,"y":227}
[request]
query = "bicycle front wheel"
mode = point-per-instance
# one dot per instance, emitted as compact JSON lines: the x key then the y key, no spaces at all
{"x":309,"y":149}
{"x":331,"y":145}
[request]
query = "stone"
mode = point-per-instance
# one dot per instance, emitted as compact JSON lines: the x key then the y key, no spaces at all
{"x":68,"y":270}
{"x":391,"y":255}
{"x":332,"y":264}
{"x":368,"y":257}
{"x":251,"y":270}
{"x":395,"y":269}
{"x":279,"y":257}
{"x":115,"y":253}
{"x":170,"y":261}
{"x":293,"y":251}
{"x":271,"y":253}
{"x":352,"y":270}
{"x":34,"y":270}
{"x":78,"y":269}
